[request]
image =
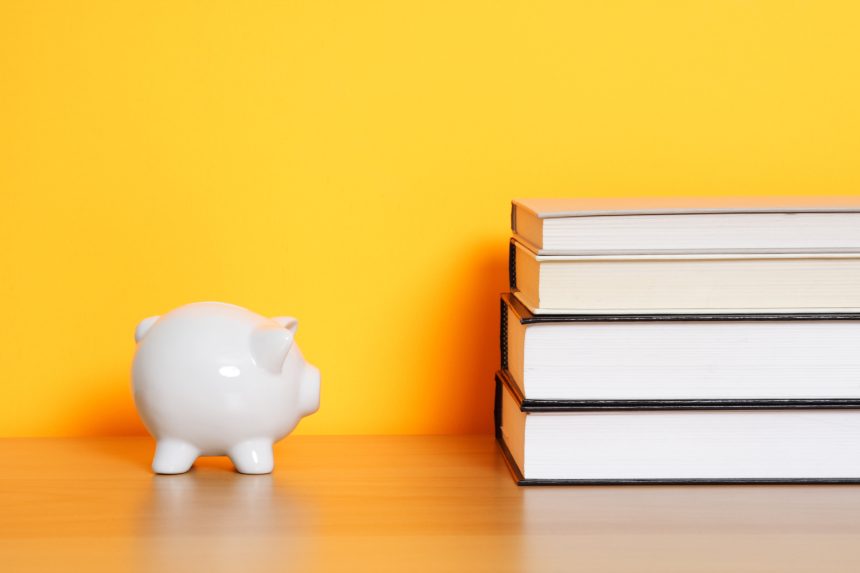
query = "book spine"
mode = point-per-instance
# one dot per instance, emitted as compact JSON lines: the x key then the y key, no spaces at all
{"x":497,"y":410}
{"x":503,"y":336}
{"x":512,"y":267}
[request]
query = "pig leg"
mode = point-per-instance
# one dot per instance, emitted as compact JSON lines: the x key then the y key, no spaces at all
{"x":253,"y":457}
{"x":173,"y":456}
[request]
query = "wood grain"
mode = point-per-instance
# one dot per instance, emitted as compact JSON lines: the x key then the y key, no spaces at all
{"x":428,"y":503}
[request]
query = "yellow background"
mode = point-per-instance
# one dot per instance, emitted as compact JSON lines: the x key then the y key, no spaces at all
{"x":351,"y":163}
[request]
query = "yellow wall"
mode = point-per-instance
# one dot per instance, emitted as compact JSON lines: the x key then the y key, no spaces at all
{"x":352,"y":162}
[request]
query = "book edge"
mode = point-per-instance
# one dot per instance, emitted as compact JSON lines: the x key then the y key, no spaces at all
{"x":524,"y":203}
{"x":527,"y":405}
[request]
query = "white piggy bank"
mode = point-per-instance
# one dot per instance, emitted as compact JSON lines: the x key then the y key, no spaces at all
{"x":214,"y":379}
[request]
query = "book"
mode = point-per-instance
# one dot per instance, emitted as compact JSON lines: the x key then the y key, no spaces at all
{"x":685,"y":284}
{"x":716,"y":359}
{"x":677,"y":445}
{"x":727,"y":225}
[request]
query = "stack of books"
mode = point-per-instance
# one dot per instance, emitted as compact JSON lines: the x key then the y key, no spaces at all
{"x":668,"y":345}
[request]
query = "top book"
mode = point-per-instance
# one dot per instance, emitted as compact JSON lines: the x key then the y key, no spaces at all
{"x":727,"y":225}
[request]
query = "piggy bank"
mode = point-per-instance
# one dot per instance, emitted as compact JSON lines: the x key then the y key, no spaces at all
{"x":214,"y":379}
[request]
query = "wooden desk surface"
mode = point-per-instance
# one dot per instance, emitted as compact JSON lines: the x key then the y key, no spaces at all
{"x":393,"y":504}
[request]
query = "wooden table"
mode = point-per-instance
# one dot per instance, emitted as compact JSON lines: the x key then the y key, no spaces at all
{"x":444,"y":503}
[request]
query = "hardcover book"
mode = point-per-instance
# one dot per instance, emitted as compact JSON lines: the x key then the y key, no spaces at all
{"x":721,"y":225}
{"x":674,"y":445}
{"x":685,"y":284}
{"x":707,"y":358}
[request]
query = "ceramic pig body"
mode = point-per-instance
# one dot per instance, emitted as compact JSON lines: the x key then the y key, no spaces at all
{"x":216,"y":379}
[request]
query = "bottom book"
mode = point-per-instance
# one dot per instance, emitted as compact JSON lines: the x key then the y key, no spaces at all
{"x":606,"y":445}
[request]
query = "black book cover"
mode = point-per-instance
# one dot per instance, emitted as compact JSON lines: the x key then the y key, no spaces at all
{"x":527,"y":317}
{"x":503,"y":377}
{"x":503,"y":381}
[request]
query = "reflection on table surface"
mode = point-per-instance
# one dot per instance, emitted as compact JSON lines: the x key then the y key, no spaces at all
{"x":393,"y":504}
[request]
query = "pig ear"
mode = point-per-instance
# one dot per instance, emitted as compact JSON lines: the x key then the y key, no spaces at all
{"x":144,"y":327}
{"x":288,"y":322}
{"x":269,"y":346}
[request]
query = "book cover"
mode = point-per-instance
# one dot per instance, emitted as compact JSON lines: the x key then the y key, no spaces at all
{"x":520,"y":479}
